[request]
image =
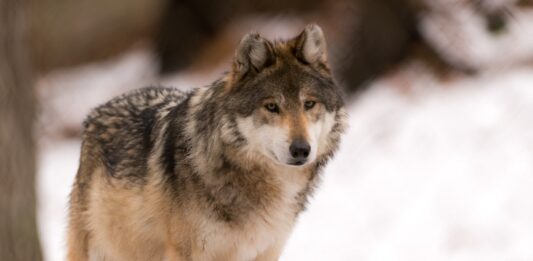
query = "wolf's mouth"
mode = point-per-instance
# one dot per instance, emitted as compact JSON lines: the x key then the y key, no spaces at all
{"x":297,"y":163}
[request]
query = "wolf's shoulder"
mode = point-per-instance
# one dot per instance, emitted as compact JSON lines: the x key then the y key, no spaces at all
{"x":123,"y":128}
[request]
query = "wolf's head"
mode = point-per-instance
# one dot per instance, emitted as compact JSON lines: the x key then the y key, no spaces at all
{"x":283,"y":97}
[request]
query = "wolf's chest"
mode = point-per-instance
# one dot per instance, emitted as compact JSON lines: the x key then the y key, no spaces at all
{"x":261,"y":230}
{"x":221,"y":242}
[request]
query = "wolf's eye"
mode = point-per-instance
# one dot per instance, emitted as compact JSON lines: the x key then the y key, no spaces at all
{"x":309,"y":104}
{"x":272,"y":107}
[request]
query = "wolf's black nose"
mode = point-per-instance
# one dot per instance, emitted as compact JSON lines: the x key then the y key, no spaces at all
{"x":299,"y":149}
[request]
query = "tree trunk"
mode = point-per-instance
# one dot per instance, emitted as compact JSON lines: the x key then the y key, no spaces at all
{"x":18,"y":228}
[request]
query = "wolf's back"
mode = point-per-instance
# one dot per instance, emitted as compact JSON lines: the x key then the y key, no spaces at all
{"x":122,"y":130}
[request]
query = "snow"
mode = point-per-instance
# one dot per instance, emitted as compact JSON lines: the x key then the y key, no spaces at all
{"x":58,"y":164}
{"x":441,"y":172}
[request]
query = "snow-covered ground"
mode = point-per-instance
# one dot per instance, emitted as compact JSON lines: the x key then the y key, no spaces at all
{"x":441,"y":172}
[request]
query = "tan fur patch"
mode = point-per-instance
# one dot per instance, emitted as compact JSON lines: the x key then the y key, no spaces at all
{"x":297,"y":123}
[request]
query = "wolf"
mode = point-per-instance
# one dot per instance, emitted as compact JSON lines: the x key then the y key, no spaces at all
{"x":217,"y":173}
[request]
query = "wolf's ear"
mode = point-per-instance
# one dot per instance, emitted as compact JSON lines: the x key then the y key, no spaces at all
{"x":310,"y":45}
{"x":253,"y":55}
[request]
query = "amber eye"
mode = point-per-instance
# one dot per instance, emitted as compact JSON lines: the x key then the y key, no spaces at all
{"x":272,"y":107}
{"x":309,"y":104}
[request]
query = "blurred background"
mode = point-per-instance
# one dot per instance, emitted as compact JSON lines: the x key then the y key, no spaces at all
{"x":437,"y":163}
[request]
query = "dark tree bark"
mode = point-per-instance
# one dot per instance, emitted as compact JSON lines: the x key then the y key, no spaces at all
{"x":188,"y":25}
{"x":18,"y":227}
{"x":381,"y":36}
{"x":65,"y":33}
